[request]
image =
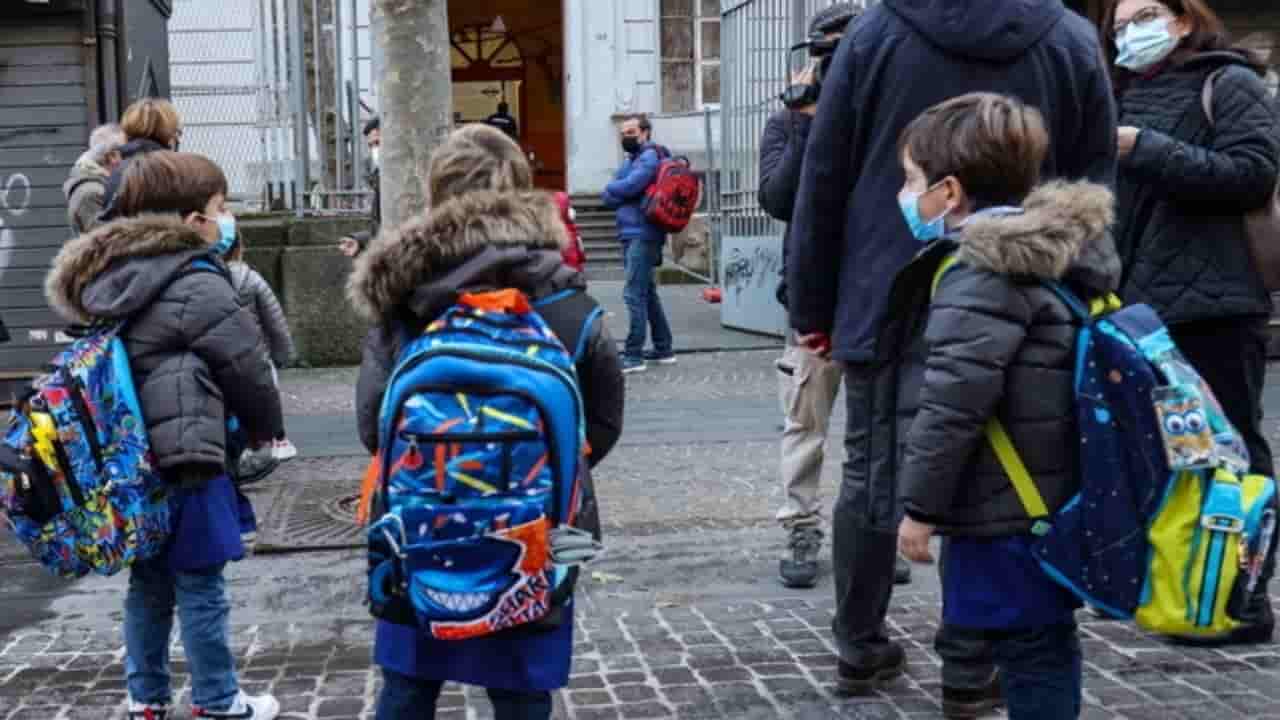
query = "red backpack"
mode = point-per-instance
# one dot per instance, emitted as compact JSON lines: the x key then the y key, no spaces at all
{"x":671,"y":200}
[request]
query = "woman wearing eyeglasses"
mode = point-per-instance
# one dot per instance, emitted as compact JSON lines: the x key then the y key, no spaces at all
{"x":1184,"y":184}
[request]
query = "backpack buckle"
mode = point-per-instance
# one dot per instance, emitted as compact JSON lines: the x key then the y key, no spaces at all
{"x":1041,"y":527}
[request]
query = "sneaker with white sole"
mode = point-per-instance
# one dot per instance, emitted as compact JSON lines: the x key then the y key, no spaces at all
{"x":661,"y":358}
{"x":284,"y":449}
{"x":246,"y":707}
{"x":141,"y":711}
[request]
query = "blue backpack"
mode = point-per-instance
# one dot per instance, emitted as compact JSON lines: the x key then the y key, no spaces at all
{"x":482,"y":447}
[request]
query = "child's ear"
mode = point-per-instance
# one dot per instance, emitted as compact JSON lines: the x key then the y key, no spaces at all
{"x":956,"y":197}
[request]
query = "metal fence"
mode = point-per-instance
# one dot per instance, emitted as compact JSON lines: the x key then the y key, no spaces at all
{"x":756,"y":36}
{"x":277,"y":92}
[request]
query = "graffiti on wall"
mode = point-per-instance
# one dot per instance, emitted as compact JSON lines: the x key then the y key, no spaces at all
{"x":759,"y":268}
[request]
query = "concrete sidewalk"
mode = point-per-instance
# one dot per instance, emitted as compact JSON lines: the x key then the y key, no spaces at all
{"x":695,"y":323}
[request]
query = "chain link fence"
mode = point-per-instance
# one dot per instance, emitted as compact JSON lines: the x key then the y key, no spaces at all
{"x":277,"y":93}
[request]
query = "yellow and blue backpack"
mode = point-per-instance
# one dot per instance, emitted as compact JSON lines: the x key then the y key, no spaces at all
{"x":1165,"y":529}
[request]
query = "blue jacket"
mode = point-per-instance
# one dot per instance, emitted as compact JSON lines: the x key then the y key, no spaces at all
{"x":848,"y":239}
{"x":626,"y":195}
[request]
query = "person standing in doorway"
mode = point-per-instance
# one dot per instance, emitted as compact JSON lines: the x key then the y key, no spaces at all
{"x":849,"y":241}
{"x":642,"y":243}
{"x":503,"y":121}
{"x":808,"y":384}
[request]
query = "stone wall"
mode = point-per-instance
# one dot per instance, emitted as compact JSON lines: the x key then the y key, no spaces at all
{"x":300,"y":258}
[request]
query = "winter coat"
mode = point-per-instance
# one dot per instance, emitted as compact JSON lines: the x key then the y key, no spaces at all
{"x":254,"y":293}
{"x":900,"y":57}
{"x":1000,"y":343}
{"x":626,"y":194}
{"x":128,"y":151}
{"x":85,"y":189}
{"x":405,"y":280}
{"x":781,"y":156}
{"x":197,"y":354}
{"x":408,"y":279}
{"x":1183,"y":191}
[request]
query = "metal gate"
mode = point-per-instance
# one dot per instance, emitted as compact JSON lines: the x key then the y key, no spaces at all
{"x":756,"y":35}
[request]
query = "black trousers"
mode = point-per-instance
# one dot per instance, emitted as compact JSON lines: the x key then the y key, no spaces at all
{"x":1231,"y":355}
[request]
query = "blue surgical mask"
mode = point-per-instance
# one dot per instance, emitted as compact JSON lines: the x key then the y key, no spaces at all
{"x":226,"y":234}
{"x":1142,"y":46}
{"x":925,"y":231}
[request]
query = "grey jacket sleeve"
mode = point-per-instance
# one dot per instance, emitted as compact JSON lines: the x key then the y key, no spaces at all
{"x":86,"y":206}
{"x":275,"y":326}
{"x":603,"y":392}
{"x":781,"y":156}
{"x":1237,"y":172}
{"x":223,"y":333}
{"x":376,"y":365}
{"x":977,"y":322}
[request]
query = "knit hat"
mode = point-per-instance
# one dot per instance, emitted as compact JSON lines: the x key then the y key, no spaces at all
{"x":833,"y":19}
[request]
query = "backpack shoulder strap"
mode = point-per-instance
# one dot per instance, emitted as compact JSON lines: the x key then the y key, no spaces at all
{"x":577,"y":313}
{"x":1206,"y":93}
{"x":1000,"y":442}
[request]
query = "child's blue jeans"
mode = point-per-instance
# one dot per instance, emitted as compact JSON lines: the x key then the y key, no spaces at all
{"x":202,"y":605}
{"x":1041,"y":670}
{"x":410,"y":698}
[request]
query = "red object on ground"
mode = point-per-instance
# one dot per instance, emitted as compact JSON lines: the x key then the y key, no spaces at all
{"x":712,"y":295}
{"x":573,"y":254}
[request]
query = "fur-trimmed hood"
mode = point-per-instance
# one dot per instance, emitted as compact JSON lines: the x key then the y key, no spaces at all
{"x":481,"y":239}
{"x":1063,"y":230}
{"x":119,"y":268}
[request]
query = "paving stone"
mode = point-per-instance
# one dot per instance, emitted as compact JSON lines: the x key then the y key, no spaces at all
{"x":586,"y":682}
{"x":1252,"y":704}
{"x":1171,"y":693}
{"x":340,"y":707}
{"x":590,"y":697}
{"x":725,"y":674}
{"x":775,"y":669}
{"x":621,"y":678}
{"x":601,"y":713}
{"x":686,"y":694}
{"x":674,"y":676}
{"x":645,"y":710}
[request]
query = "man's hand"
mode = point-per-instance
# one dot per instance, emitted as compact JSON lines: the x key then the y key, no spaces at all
{"x":913,"y":540}
{"x":1126,"y":140}
{"x":808,"y":75}
{"x":817,"y":343}
{"x":349,"y":247}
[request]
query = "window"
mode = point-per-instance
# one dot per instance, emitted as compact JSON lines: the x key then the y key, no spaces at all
{"x":690,"y":45}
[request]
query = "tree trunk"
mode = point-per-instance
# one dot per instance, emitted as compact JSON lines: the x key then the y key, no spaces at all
{"x":415,"y":92}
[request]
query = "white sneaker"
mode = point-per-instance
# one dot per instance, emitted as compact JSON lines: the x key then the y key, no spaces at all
{"x":284,"y":449}
{"x":140,"y":711}
{"x":262,"y":707}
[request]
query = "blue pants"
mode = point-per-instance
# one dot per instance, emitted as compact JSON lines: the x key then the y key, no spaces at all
{"x":640,"y":293}
{"x":1041,"y":671}
{"x":409,"y":698}
{"x":202,"y":605}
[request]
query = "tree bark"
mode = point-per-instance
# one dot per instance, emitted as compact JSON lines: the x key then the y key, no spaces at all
{"x":415,"y":92}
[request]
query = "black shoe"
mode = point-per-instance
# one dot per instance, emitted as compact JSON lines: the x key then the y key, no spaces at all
{"x":901,"y":571}
{"x":800,"y":570}
{"x":967,"y":703}
{"x":885,"y":665}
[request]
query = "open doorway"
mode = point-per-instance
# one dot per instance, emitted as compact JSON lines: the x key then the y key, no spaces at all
{"x":506,"y":53}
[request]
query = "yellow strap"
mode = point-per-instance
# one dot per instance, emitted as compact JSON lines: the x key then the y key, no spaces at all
{"x":1009,"y":459}
{"x":1108,"y":303}
{"x":1000,"y":442}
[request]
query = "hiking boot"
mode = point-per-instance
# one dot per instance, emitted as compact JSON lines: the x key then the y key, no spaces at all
{"x":884,"y":665}
{"x":664,"y":358}
{"x":970,"y":703}
{"x":261,"y":707}
{"x":800,"y":569}
{"x":901,"y":571}
{"x":139,"y":711}
{"x":633,"y":365}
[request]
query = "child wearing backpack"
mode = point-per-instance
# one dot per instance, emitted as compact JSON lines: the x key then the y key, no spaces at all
{"x":1000,"y":350}
{"x":487,"y":231}
{"x":257,"y":295}
{"x":196,"y":357}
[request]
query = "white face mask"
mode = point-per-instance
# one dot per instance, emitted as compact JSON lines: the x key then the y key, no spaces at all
{"x":375,"y":155}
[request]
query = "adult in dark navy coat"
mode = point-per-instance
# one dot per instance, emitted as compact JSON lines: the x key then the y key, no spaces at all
{"x":849,"y":240}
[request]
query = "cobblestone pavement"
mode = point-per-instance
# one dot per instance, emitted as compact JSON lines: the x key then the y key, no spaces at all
{"x":681,"y":619}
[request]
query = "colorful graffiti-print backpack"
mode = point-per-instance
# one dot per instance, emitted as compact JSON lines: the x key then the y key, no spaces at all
{"x":76,"y":480}
{"x":482,"y":446}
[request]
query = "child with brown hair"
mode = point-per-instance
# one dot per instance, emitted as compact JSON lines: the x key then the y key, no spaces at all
{"x":1000,"y":344}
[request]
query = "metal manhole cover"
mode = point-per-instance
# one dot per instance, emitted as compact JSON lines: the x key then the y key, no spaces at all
{"x":312,"y":506}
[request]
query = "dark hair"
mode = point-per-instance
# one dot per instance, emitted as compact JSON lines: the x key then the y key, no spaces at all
{"x":503,"y":106}
{"x":375,"y":123}
{"x":993,"y":144}
{"x":169,"y":182}
{"x":1208,"y":33}
{"x":641,"y":118}
{"x":833,"y":19}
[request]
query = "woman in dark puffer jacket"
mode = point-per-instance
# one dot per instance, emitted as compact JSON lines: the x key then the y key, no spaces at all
{"x":197,"y":357}
{"x":1184,"y":185}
